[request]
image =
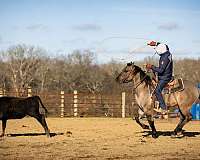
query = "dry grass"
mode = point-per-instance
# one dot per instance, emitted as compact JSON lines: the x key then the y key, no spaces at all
{"x":97,"y":138}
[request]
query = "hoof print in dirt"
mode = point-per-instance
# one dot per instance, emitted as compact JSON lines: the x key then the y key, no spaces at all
{"x":68,"y":133}
{"x":143,"y":141}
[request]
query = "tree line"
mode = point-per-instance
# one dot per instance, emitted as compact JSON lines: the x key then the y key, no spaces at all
{"x":22,"y":66}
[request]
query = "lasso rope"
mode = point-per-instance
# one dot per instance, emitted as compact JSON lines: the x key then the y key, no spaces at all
{"x":124,"y":37}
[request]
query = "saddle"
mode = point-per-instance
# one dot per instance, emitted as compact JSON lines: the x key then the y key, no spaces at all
{"x":175,"y":85}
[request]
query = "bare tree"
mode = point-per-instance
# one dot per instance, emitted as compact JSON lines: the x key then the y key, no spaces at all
{"x":22,"y":66}
{"x":4,"y":80}
{"x":23,"y":62}
{"x":188,"y":69}
{"x":43,"y":74}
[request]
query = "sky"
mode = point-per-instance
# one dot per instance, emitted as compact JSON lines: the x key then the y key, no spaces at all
{"x":112,"y":29}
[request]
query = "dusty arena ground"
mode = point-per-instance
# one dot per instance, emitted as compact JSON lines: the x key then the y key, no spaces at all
{"x":97,"y":138}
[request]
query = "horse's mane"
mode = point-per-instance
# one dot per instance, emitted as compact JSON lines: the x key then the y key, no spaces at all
{"x":143,"y":75}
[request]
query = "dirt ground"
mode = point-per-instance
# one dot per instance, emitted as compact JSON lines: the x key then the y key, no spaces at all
{"x":97,"y":138}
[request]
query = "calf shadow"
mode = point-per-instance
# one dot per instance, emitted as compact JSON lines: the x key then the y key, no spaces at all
{"x":33,"y":134}
{"x":169,"y":133}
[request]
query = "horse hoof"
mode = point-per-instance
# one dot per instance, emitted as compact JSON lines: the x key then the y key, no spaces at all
{"x":48,"y":135}
{"x":178,"y":135}
{"x":155,"y":135}
{"x":173,"y":135}
{"x":2,"y":135}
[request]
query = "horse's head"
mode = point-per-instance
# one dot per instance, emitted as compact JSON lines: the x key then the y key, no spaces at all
{"x":127,"y":74}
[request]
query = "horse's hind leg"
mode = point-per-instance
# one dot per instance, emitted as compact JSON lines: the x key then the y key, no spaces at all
{"x":151,"y":123}
{"x":183,"y":120}
{"x":144,"y":126}
{"x":178,"y":128}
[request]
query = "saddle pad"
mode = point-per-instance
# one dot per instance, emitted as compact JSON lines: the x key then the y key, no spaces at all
{"x":175,"y":86}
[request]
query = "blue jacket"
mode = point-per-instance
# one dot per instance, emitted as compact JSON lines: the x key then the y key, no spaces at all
{"x":165,"y":68}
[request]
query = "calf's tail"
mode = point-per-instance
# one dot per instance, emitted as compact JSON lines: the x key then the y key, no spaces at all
{"x":46,"y":111}
{"x":198,"y":100}
{"x":199,"y":97}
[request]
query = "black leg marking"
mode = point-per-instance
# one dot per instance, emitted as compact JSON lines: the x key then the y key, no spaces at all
{"x":151,"y":123}
{"x":178,"y":127}
{"x":144,"y":126}
{"x":186,"y":120}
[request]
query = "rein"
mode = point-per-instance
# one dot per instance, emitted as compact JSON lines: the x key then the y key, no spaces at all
{"x":139,"y":83}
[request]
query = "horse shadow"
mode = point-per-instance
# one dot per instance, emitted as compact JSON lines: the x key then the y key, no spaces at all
{"x":33,"y":134}
{"x":169,"y":133}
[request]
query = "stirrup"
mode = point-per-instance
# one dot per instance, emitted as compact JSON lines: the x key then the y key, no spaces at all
{"x":162,"y":111}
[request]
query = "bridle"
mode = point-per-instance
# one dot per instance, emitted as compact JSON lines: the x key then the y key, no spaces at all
{"x":140,"y":82}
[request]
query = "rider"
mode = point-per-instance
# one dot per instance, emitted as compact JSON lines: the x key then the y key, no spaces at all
{"x":164,"y":71}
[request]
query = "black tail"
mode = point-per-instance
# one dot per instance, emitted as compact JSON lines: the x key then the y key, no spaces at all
{"x":38,"y":98}
{"x":198,"y":100}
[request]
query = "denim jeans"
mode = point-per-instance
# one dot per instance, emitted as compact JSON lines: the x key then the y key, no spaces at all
{"x":158,"y":92}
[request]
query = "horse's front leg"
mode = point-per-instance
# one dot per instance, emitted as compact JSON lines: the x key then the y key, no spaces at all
{"x":153,"y":128}
{"x":144,"y":126}
{"x":137,"y":114}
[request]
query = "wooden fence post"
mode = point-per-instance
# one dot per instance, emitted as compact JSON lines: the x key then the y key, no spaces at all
{"x":4,"y":92}
{"x":123,"y":105}
{"x":75,"y":103}
{"x":29,"y":92}
{"x":62,"y":104}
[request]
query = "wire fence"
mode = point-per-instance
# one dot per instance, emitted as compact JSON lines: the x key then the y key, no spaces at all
{"x":61,"y":104}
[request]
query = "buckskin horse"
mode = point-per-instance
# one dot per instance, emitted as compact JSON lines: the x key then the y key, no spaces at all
{"x":142,"y":84}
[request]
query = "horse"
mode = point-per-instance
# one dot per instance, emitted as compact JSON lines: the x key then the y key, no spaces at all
{"x":142,"y":83}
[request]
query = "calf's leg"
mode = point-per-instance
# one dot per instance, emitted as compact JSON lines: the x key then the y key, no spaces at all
{"x":41,"y":119}
{"x":3,"y":127}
